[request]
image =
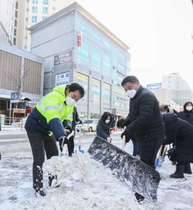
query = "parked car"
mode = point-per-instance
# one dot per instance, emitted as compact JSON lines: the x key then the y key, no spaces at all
{"x":89,"y":125}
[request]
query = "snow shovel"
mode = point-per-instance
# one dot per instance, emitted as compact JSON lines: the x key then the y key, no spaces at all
{"x":160,"y":156}
{"x":139,"y":176}
{"x":79,"y":146}
{"x":65,"y":147}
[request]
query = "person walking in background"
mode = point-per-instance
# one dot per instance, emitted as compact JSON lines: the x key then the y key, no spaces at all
{"x":44,"y":127}
{"x":180,"y":133}
{"x":145,"y":121}
{"x":187,"y":115}
{"x":106,"y":122}
{"x":76,"y":120}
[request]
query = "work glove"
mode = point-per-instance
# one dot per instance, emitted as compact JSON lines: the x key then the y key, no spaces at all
{"x":80,"y":122}
{"x":127,"y":136}
{"x":68,"y":129}
{"x":63,"y":140}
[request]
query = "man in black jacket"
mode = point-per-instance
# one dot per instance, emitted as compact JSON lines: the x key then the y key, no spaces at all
{"x":145,"y":121}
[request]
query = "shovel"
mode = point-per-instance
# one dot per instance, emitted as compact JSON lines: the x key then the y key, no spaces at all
{"x":65,"y":147}
{"x":79,"y":146}
{"x":139,"y":176}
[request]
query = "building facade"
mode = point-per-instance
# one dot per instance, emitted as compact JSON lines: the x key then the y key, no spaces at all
{"x":172,"y":90}
{"x":21,"y":73}
{"x":78,"y":48}
{"x":18,"y":15}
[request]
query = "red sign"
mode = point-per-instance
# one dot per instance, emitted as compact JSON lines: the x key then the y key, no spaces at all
{"x":79,"y":39}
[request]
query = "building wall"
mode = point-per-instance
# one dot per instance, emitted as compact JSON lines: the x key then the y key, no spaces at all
{"x":20,"y":71}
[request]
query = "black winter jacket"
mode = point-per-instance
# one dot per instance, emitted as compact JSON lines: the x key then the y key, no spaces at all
{"x":144,"y":115}
{"x":187,"y":115}
{"x":103,"y":129}
{"x":184,"y":137}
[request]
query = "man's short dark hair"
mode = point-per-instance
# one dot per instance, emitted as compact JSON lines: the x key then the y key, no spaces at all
{"x":75,"y":86}
{"x":131,"y":79}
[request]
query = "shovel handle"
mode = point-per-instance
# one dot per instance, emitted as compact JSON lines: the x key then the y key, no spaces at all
{"x":123,"y":143}
{"x":64,"y":149}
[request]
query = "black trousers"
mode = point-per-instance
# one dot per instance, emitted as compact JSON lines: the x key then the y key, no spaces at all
{"x":148,"y":149}
{"x":40,"y":146}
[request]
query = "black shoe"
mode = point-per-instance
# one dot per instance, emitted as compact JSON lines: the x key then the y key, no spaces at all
{"x":139,"y":197}
{"x":40,"y":193}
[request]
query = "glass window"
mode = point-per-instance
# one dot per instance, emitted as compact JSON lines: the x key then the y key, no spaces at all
{"x":34,"y":19}
{"x":14,"y":41}
{"x":96,"y":61}
{"x":44,"y":17}
{"x":15,"y":32}
{"x":16,"y":13}
{"x":16,"y":5}
{"x":121,"y":69}
{"x":95,"y":36}
{"x":106,"y":44}
{"x":122,"y":56}
{"x":45,"y":2}
{"x":35,"y":2}
{"x":83,"y":54}
{"x":15,"y":23}
{"x":34,"y":9}
{"x":53,"y":8}
{"x":83,"y":28}
{"x":44,"y":10}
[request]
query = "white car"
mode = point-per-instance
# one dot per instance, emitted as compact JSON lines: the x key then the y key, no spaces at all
{"x":89,"y":125}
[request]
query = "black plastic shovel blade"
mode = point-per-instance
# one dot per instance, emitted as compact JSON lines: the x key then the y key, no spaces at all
{"x":139,"y":176}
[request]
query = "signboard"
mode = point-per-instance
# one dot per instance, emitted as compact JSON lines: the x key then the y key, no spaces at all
{"x":79,"y":39}
{"x":61,"y":79}
{"x":154,"y":86}
{"x":63,"y":58}
{"x":15,"y":97}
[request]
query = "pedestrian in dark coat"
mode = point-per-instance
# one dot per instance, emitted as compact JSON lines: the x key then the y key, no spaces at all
{"x":187,"y":114}
{"x":182,"y":132}
{"x":146,"y":124}
{"x":106,"y":122}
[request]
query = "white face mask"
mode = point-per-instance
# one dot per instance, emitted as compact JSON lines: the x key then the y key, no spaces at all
{"x":70,"y":101}
{"x":131,"y":93}
{"x":189,"y":108}
{"x":107,"y":121}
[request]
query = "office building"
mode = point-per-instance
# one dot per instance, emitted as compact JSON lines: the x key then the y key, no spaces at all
{"x":172,"y":90}
{"x":78,"y":48}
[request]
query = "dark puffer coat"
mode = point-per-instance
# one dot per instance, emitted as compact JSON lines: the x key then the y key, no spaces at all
{"x":144,"y":116}
{"x":184,"y":137}
{"x":186,"y":115}
{"x":103,"y":129}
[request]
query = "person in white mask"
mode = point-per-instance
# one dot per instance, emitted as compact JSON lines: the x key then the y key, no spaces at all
{"x":45,"y":125}
{"x":187,"y":113}
{"x":145,"y":123}
{"x":105,"y":123}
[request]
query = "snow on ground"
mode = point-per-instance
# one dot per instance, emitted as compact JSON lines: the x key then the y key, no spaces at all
{"x":85,"y":184}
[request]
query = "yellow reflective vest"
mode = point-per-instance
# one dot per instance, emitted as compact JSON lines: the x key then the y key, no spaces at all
{"x":49,"y":113}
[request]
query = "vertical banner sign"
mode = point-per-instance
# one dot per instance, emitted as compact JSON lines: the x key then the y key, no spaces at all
{"x":79,"y":38}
